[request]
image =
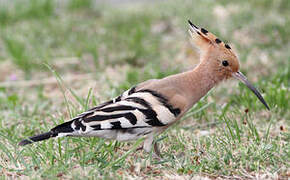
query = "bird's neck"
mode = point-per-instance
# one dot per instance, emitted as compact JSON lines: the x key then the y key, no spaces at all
{"x":198,"y":82}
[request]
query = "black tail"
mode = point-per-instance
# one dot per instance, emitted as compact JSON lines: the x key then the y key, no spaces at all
{"x":36,"y":138}
{"x":62,"y":128}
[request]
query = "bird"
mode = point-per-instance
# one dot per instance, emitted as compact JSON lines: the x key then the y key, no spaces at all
{"x":147,"y":109}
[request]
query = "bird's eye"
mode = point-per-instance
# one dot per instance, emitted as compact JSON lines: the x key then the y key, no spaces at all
{"x":225,"y":63}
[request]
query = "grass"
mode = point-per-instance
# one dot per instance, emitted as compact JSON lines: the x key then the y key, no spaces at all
{"x":227,"y":134}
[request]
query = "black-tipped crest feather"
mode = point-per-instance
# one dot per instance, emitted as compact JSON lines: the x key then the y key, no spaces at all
{"x":192,"y":24}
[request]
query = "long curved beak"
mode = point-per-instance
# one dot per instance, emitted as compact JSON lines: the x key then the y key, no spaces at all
{"x":238,"y":75}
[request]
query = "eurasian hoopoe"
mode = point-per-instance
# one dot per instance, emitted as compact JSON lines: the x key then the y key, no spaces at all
{"x":150,"y":107}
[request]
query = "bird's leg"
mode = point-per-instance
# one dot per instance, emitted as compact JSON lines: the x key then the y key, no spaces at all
{"x":156,"y":150}
{"x":148,"y":146}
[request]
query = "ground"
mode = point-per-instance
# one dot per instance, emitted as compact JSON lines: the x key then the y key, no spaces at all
{"x":58,"y":59}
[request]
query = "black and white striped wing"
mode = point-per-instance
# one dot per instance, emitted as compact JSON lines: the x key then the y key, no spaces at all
{"x":130,"y":115}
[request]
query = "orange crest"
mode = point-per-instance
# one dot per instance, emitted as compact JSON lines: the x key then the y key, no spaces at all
{"x":212,"y":48}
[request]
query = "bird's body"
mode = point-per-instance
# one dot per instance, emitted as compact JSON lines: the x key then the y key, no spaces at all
{"x":150,"y":107}
{"x":144,"y":110}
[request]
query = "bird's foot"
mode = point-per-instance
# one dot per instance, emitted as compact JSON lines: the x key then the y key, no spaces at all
{"x":139,"y":148}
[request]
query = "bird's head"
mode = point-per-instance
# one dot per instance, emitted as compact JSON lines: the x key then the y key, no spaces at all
{"x":219,"y":57}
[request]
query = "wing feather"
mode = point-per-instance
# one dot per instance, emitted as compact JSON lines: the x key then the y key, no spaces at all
{"x":131,"y":110}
